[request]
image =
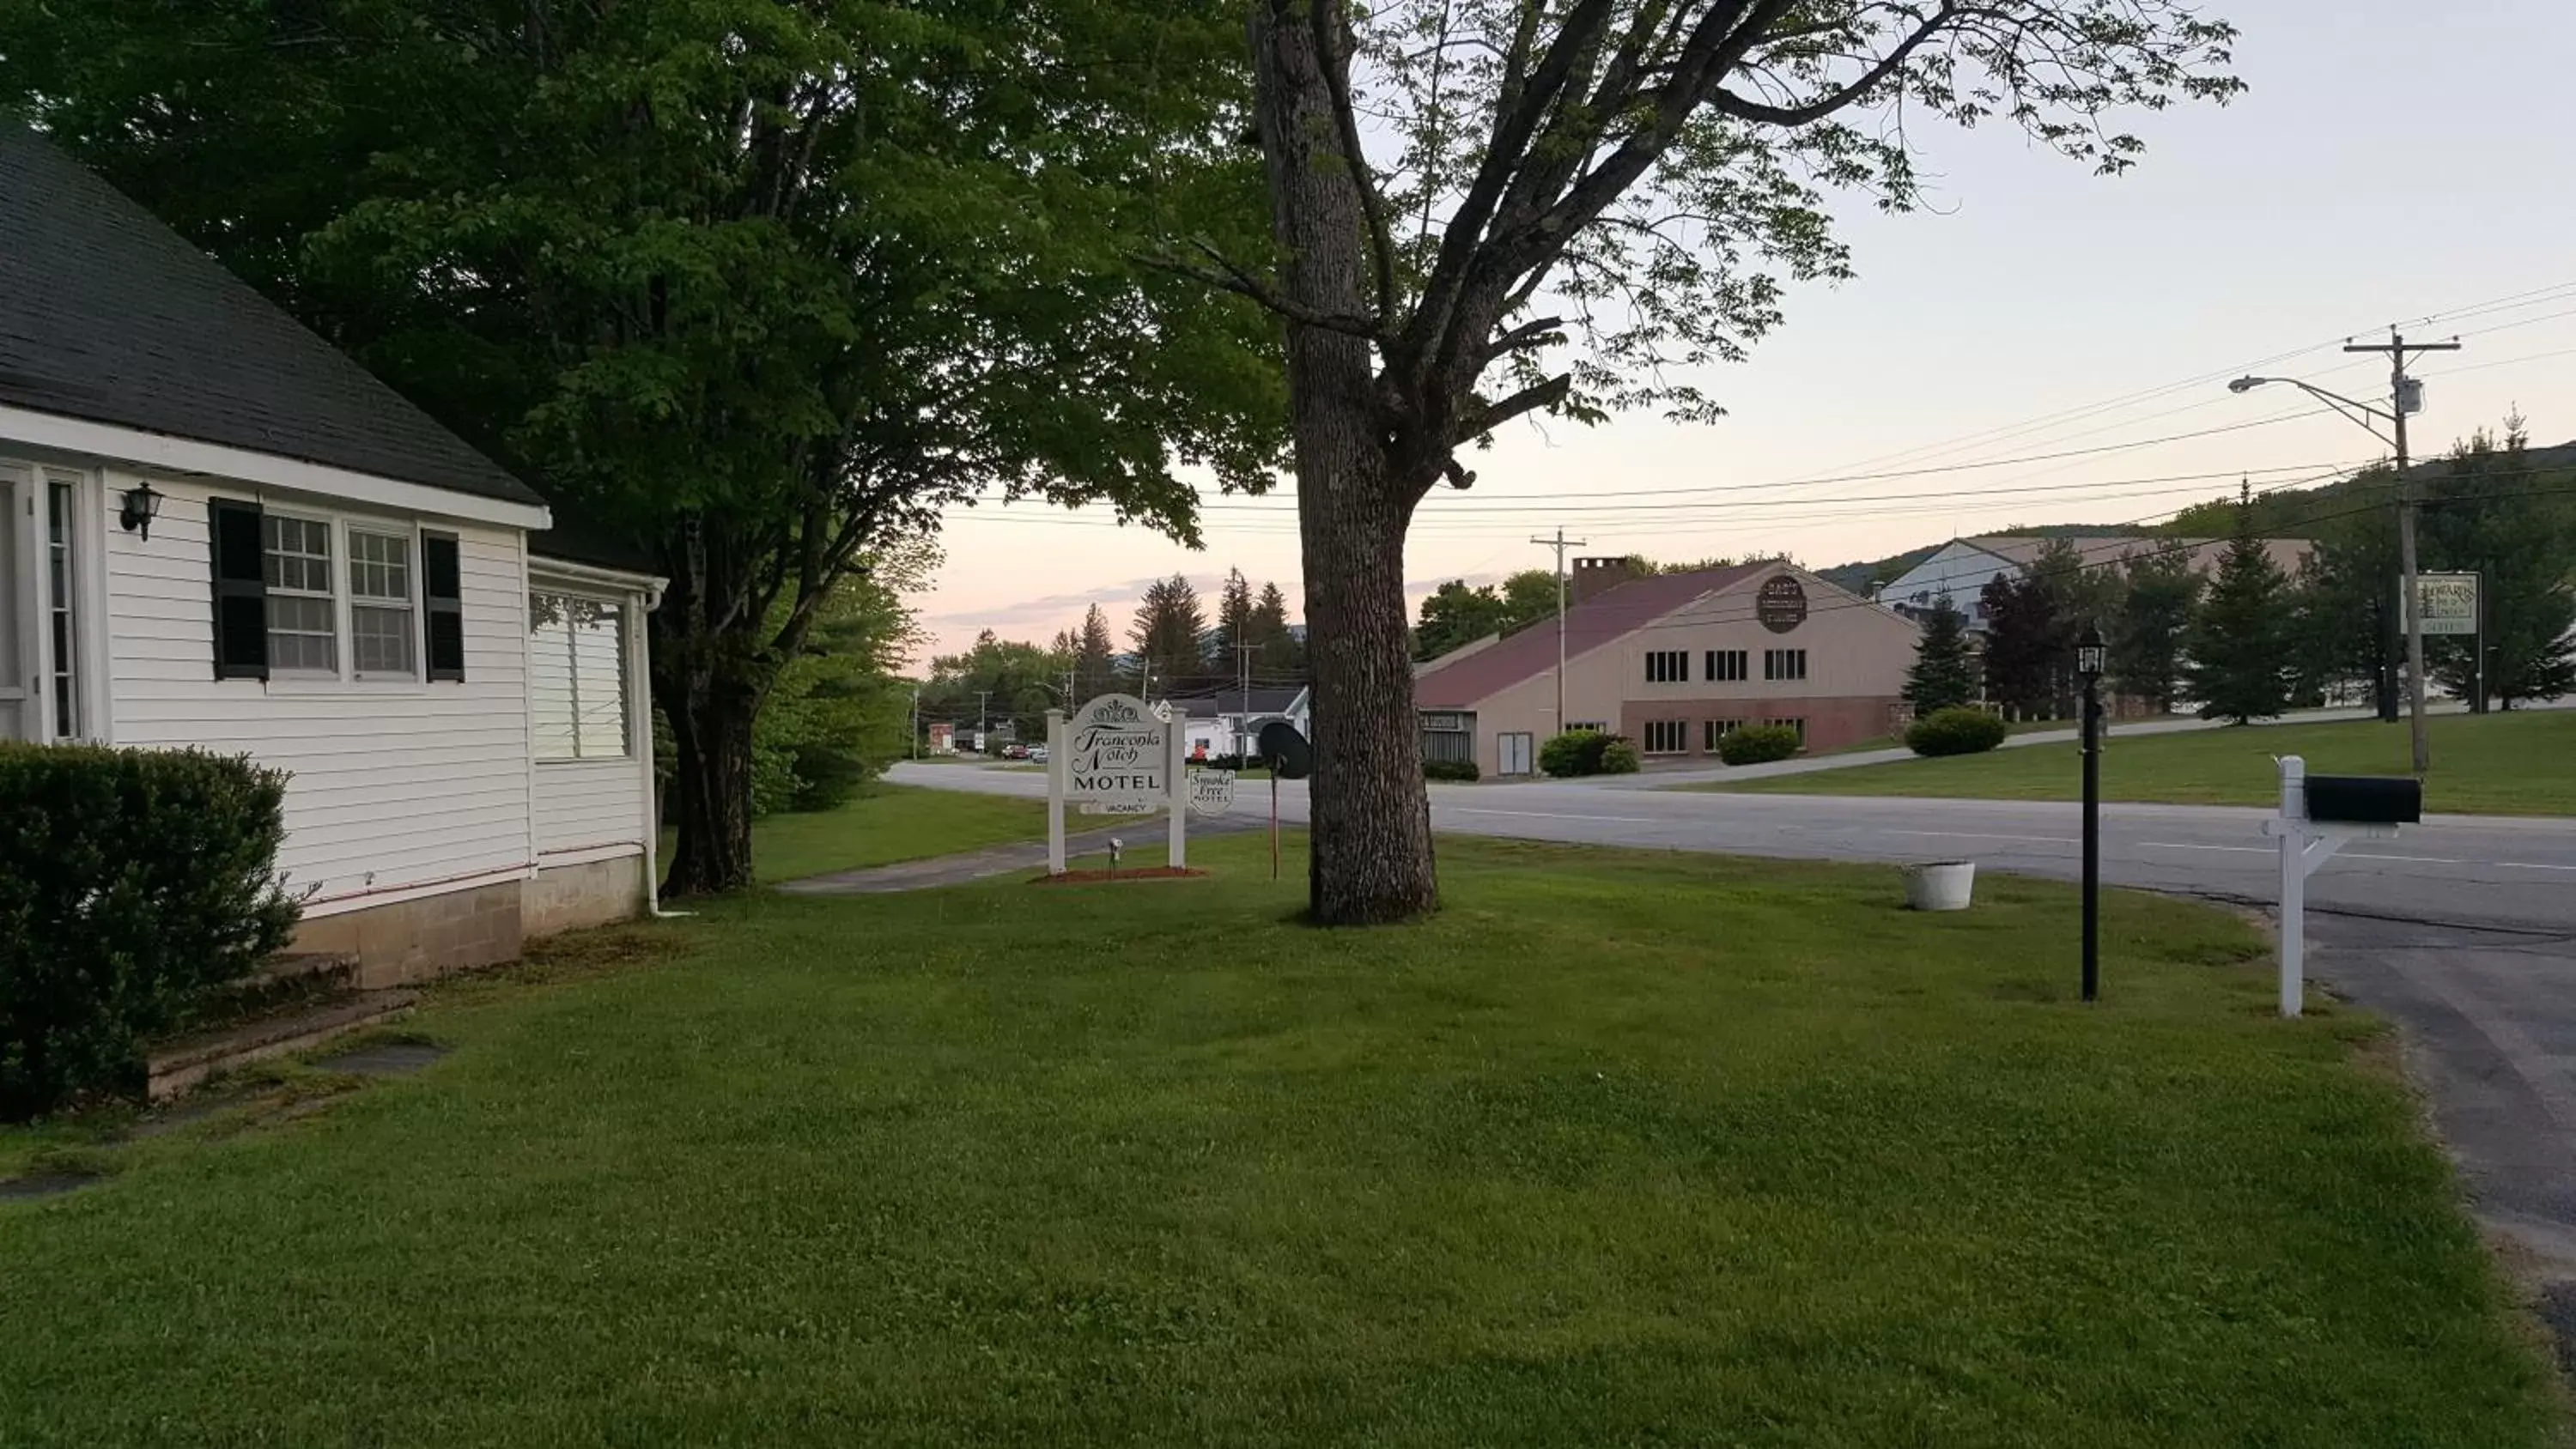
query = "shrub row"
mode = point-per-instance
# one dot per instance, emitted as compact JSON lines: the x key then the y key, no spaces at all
{"x":139,"y":883}
{"x":1450,"y":770}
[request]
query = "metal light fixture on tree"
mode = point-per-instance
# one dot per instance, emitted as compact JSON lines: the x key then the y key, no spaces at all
{"x":141,"y":506}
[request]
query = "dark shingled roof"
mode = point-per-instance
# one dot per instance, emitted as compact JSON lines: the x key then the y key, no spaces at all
{"x":1607,"y":616}
{"x":109,"y":316}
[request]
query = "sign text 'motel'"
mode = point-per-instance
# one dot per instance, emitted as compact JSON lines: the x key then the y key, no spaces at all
{"x":1115,"y":756}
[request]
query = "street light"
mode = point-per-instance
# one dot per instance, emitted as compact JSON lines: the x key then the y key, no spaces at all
{"x":2088,"y":664}
{"x":2405,"y":395}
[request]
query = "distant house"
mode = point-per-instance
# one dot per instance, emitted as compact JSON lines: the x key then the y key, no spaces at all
{"x":1222,"y":722}
{"x":1674,"y":662}
{"x":216,"y":530}
{"x":1963,"y":567}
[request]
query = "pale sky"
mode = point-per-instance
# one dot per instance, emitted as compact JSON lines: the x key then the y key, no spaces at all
{"x":2392,"y":162}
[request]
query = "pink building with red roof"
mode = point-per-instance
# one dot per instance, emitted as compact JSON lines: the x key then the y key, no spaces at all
{"x":1673,"y":661}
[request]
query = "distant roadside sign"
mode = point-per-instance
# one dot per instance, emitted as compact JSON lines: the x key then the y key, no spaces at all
{"x":2447,"y":603}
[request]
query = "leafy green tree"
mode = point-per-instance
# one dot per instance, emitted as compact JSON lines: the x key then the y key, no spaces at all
{"x":2160,"y":589}
{"x":1454,"y":615}
{"x":2491,"y":514}
{"x":2239,"y":645}
{"x":1944,"y":674}
{"x":838,"y":714}
{"x":1574,"y":206}
{"x":995,"y":682}
{"x":1169,"y":636}
{"x":1529,"y":596}
{"x":760,"y":286}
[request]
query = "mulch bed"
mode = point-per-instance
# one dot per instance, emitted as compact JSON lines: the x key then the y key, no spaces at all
{"x":1090,"y":877}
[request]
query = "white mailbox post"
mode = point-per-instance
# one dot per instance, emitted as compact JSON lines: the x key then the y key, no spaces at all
{"x":1116,"y":755}
{"x":2316,"y":818}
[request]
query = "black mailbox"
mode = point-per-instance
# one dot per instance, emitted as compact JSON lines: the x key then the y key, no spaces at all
{"x":2366,"y":799}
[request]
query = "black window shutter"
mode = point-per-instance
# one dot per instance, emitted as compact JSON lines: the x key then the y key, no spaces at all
{"x":443,"y":592}
{"x":241,"y":589}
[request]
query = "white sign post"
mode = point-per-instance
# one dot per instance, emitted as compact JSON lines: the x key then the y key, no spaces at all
{"x":1115,"y":756}
{"x":2305,"y":845}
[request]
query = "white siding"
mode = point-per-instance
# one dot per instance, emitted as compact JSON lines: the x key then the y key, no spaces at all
{"x":394,"y":786}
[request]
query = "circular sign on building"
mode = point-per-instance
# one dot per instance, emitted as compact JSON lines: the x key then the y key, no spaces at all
{"x":1781,"y":605}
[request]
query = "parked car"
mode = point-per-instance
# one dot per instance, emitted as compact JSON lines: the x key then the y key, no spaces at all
{"x":1037,"y":754}
{"x":1015,"y":752}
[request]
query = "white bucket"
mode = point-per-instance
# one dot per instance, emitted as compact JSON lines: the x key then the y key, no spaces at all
{"x":1941,"y":885}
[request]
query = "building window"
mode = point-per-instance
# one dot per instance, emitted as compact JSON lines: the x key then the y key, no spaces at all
{"x":62,"y":507}
{"x":1668,"y":666}
{"x":381,"y":630}
{"x":1799,"y":725}
{"x":1711,"y":731}
{"x":577,"y":677}
{"x":1784,"y":663}
{"x":1667,"y":736}
{"x":296,"y":558}
{"x":1593,"y":726}
{"x":1725,"y":666}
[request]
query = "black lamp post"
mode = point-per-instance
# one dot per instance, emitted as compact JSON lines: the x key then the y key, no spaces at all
{"x":2088,"y":664}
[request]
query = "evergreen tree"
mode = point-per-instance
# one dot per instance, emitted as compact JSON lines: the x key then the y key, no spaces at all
{"x":2483,"y":517}
{"x":1233,"y":621}
{"x":2081,"y":590}
{"x":1945,"y":664}
{"x":1169,"y":635}
{"x":2240,"y":639}
{"x":1095,"y":657}
{"x":2347,"y":621}
{"x":2159,"y":591}
{"x":2026,"y":644}
{"x":1281,"y":657}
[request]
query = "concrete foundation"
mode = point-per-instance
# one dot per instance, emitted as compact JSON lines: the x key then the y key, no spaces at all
{"x":416,"y":940}
{"x":569,"y":897}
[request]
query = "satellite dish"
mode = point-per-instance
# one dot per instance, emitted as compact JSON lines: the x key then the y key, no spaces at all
{"x":1290,"y":757}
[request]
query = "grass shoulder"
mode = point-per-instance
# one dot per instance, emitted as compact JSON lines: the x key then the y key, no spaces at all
{"x":2518,"y":763}
{"x":1621,"y":1147}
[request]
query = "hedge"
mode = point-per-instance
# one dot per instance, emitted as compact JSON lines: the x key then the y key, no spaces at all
{"x":1576,"y":752}
{"x":139,"y":883}
{"x":1758,"y":744}
{"x":1619,"y":757}
{"x":1955,"y":731}
{"x":1451,"y":770}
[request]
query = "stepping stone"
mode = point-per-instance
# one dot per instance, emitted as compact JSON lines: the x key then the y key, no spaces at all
{"x":388,"y":1059}
{"x":43,"y":1184}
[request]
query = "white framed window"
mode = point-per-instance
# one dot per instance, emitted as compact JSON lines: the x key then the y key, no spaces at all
{"x":1667,"y":736}
{"x":303,"y":608}
{"x":384,"y":628}
{"x":1593,"y":725}
{"x":577,"y":677}
{"x":1711,"y":731}
{"x":1668,"y":666}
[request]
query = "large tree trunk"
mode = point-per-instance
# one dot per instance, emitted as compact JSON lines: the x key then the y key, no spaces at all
{"x":711,"y":716}
{"x":1370,"y":819}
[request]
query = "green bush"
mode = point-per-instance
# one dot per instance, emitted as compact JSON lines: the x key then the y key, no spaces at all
{"x":1955,"y":731}
{"x":138,"y":884}
{"x":1575,"y":752}
{"x":1451,"y":770}
{"x":1619,"y":757}
{"x":1758,"y":744}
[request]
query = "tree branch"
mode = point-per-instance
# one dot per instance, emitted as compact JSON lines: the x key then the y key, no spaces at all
{"x":1230,"y":277}
{"x":1529,"y":399}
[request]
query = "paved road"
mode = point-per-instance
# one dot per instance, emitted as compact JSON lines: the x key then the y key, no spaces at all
{"x":2479,"y":871}
{"x":2463,"y":930}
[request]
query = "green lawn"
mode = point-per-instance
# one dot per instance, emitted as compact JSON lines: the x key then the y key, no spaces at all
{"x":887,"y":824}
{"x":1620,"y":1149}
{"x":2522,"y":763}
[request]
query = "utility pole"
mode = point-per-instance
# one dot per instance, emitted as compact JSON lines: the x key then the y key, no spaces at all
{"x":2404,"y":396}
{"x":982,"y":728}
{"x":916,"y":724}
{"x":1560,"y":543}
{"x":1242,"y":695}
